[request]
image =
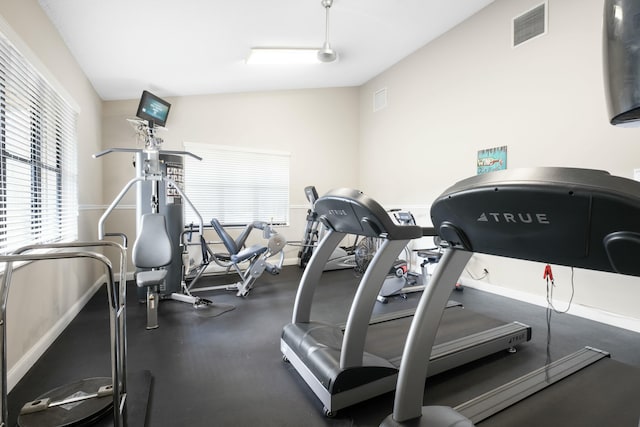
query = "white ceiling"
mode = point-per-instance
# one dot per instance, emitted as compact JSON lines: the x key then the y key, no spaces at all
{"x":193,"y":47}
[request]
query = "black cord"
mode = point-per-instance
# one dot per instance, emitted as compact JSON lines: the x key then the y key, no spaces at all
{"x":549,"y":313}
{"x":486,"y":273}
{"x":550,"y":296}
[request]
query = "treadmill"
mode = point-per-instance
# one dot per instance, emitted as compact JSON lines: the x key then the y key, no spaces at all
{"x":347,"y":364}
{"x":573,"y":217}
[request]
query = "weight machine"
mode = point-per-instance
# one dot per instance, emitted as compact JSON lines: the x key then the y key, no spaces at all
{"x":159,"y":174}
{"x":151,"y":171}
{"x":257,"y":256}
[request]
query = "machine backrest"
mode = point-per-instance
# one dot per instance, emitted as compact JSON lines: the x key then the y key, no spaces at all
{"x":574,"y":217}
{"x":350,"y":211}
{"x":152,"y":248}
{"x":232,"y":246}
{"x":227,"y":240}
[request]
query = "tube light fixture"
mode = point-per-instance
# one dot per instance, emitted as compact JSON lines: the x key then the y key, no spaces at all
{"x":282,"y":56}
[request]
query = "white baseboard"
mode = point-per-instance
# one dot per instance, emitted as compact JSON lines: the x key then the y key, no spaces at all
{"x":291,"y":261}
{"x":583,"y":311}
{"x":25,"y":363}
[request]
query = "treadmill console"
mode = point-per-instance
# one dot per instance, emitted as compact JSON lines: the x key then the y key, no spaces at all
{"x":568,"y":216}
{"x":350,"y":211}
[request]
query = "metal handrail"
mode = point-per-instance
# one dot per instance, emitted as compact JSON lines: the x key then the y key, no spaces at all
{"x":117,"y":304}
{"x":114,"y":203}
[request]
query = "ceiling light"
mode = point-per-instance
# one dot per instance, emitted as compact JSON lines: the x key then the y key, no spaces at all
{"x":293,"y":55}
{"x":283,"y":56}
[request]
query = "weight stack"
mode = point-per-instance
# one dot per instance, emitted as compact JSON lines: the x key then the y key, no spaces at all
{"x":170,"y":205}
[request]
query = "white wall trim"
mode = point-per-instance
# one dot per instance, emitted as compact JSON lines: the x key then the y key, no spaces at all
{"x":25,"y":363}
{"x":591,"y":313}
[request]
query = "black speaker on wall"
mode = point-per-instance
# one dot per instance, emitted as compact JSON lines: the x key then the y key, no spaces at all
{"x":621,"y":56}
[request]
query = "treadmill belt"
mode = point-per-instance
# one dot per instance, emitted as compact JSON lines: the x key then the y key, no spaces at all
{"x":604,"y":394}
{"x":387,"y":339}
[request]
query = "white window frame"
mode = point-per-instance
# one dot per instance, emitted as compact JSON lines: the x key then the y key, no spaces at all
{"x":237,"y":185}
{"x":38,"y":152}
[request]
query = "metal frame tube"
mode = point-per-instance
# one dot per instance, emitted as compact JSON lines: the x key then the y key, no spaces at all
{"x":311,"y":276}
{"x":117,"y":314}
{"x":355,"y":332}
{"x":115,"y":202}
{"x":122,"y":291}
{"x":422,"y":333}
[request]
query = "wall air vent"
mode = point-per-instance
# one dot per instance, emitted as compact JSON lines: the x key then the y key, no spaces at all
{"x":530,"y":24}
{"x":379,"y":99}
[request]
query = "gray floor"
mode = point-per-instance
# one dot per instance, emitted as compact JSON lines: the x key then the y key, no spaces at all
{"x":228,"y":370}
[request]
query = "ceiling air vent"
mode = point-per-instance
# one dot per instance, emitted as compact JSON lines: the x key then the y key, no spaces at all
{"x":530,"y":24}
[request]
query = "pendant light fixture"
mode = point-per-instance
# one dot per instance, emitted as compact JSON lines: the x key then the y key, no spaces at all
{"x":296,"y":55}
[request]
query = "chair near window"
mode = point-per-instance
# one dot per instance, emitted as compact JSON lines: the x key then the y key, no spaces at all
{"x":152,"y":250}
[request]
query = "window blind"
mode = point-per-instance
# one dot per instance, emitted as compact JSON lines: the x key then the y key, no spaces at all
{"x":237,"y":185}
{"x":38,"y":160}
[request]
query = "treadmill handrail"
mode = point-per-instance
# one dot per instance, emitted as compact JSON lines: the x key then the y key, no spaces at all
{"x":311,"y":276}
{"x":355,"y":332}
{"x":422,"y":334}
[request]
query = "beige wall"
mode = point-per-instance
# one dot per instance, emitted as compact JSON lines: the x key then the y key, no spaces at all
{"x":471,"y":90}
{"x":44,"y":295}
{"x":318,"y":127}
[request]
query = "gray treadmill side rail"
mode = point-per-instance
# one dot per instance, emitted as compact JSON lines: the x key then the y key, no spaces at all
{"x":494,"y":401}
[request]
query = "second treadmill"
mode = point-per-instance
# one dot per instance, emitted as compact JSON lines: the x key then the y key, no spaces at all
{"x":347,"y":364}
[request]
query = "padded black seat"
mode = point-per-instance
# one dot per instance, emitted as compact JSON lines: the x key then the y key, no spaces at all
{"x":150,"y":278}
{"x":234,"y":247}
{"x":247,"y":253}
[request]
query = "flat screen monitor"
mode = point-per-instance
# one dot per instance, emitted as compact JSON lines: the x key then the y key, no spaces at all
{"x":153,"y":109}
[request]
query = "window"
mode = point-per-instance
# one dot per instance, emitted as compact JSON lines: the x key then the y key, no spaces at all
{"x":237,"y":185}
{"x":38,"y":170}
